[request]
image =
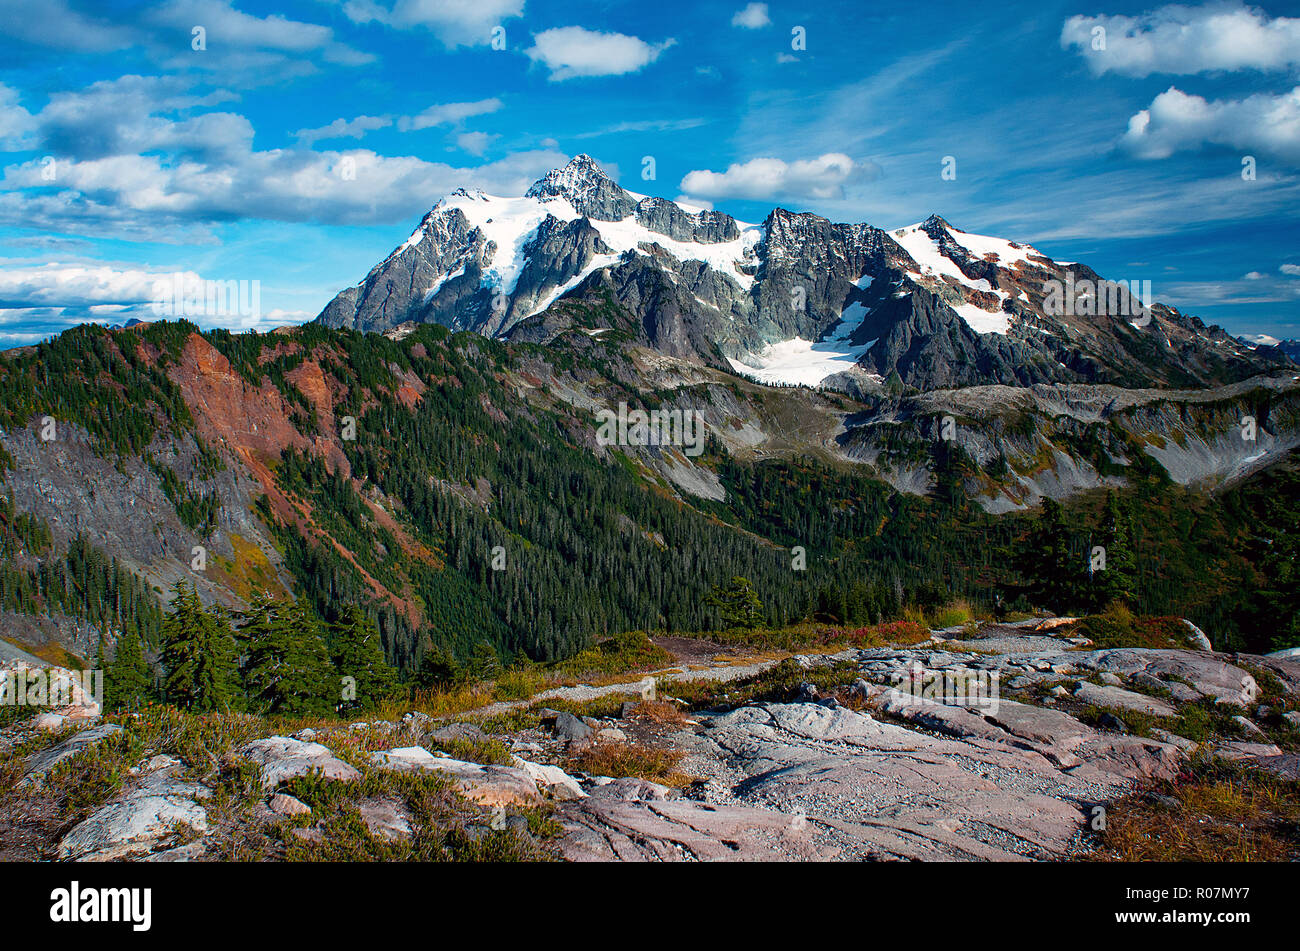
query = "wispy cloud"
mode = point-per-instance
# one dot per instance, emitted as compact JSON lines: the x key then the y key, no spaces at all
{"x":644,"y":125}
{"x":448,"y":113}
{"x":475,"y":143}
{"x":60,"y":26}
{"x":343,"y":129}
{"x":454,"y":22}
{"x":1251,"y":288}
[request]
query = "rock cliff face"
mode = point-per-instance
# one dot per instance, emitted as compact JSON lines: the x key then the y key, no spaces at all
{"x":795,"y":299}
{"x":705,"y":227}
{"x":121,"y":506}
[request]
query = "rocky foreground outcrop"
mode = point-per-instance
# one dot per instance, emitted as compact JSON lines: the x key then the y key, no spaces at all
{"x":809,"y":781}
{"x":909,"y":778}
{"x":1031,"y":736}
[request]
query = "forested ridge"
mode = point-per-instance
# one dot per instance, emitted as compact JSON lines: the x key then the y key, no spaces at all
{"x":516,"y":534}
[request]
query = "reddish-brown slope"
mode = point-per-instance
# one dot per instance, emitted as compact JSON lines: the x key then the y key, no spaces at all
{"x":254,"y":424}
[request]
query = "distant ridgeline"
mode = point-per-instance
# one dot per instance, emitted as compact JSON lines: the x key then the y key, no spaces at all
{"x":449,"y":486}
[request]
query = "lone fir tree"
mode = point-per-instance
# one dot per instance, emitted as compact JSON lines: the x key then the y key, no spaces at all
{"x":737,"y":603}
{"x":128,"y":681}
{"x":357,"y":653}
{"x":198,"y":655}
{"x":288,"y":670}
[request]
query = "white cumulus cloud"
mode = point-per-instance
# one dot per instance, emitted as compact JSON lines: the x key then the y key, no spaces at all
{"x":1177,"y":121}
{"x":76,"y":286}
{"x":57,"y":295}
{"x":573,"y":51}
{"x":140,"y":195}
{"x":1183,"y":40}
{"x":752,"y":17}
{"x":129,"y":158}
{"x":764,"y":178}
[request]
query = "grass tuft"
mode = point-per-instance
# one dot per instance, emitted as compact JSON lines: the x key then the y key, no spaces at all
{"x":628,"y":759}
{"x":1215,"y":813}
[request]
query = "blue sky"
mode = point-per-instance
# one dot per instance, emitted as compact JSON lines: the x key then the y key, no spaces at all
{"x":126,"y":154}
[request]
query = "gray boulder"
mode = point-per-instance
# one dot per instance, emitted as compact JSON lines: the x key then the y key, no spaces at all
{"x":285,"y":805}
{"x":1108,"y":721}
{"x":283,"y":758}
{"x":467,"y":732}
{"x":631,"y":789}
{"x":571,"y":729}
{"x":489,"y":785}
{"x":386,"y":818}
{"x":1198,"y":636}
{"x":1124,"y":699}
{"x":149,"y":814}
{"x":38,"y":765}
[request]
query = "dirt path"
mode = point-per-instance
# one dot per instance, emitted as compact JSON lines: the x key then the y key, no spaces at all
{"x":716,"y":671}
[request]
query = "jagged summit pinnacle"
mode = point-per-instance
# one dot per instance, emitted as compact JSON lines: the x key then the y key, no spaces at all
{"x":936,"y":223}
{"x":581,"y":172}
{"x":586,"y":186}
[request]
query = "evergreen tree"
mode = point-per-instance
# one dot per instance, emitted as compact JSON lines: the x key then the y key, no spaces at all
{"x":260,"y":654}
{"x":1118,"y":582}
{"x":438,"y":669}
{"x":1045,"y":562}
{"x":831,"y":605}
{"x":952,"y":467}
{"x":737,"y":603}
{"x":357,"y":653}
{"x":128,"y":681}
{"x":197,"y":655}
{"x":1278,"y":602}
{"x":484,"y":662}
{"x":288,"y":669}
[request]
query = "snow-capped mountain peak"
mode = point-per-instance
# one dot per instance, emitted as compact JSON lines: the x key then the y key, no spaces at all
{"x":796,"y":299}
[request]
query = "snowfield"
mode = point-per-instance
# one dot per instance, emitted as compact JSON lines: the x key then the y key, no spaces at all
{"x":805,"y":362}
{"x":934,"y":263}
